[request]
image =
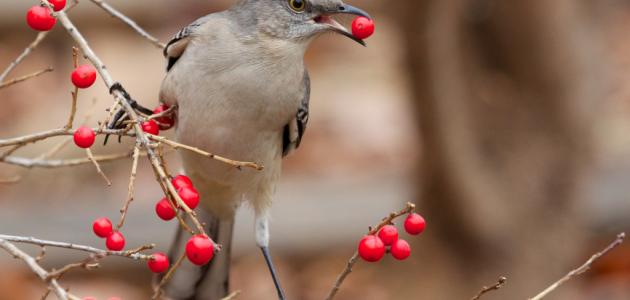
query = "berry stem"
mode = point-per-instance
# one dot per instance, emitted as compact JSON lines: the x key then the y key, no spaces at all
{"x":353,"y":260}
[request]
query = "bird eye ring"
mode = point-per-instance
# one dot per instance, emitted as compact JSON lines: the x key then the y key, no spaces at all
{"x":297,"y":5}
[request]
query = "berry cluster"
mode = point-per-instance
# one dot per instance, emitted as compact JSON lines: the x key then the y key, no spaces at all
{"x":372,"y":248}
{"x":362,"y":27}
{"x":199,"y":249}
{"x":185,"y":190}
{"x":114,"y":240}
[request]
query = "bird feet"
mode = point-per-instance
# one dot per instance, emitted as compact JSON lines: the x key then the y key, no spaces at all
{"x":119,"y":121}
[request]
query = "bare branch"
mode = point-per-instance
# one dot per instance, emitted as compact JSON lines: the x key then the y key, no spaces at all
{"x":487,"y":289}
{"x":37,"y":269}
{"x":36,"y":137}
{"x":581,"y":269}
{"x":167,"y":277}
{"x":132,"y":180}
{"x":176,"y":145}
{"x":61,"y":163}
{"x":232,"y":296}
{"x":24,"y":78}
{"x":132,"y":254}
{"x":116,"y":14}
{"x":40,"y":37}
{"x":98,"y":166}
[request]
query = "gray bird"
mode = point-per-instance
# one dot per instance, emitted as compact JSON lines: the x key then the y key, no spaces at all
{"x":241,"y":89}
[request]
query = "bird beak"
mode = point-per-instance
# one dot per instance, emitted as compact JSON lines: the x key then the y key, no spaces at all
{"x":335,"y":26}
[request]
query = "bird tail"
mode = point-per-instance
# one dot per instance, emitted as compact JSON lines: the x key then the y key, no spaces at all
{"x":209,"y":282}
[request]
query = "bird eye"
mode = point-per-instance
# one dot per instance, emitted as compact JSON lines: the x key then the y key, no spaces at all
{"x":297,"y":5}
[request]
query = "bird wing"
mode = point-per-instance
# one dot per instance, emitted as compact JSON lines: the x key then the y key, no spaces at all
{"x":294,"y":131}
{"x":177,"y":45}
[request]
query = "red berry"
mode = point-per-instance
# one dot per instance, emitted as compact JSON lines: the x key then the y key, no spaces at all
{"x":158,"y":263}
{"x":415,"y":224}
{"x":371,"y":248}
{"x":102,"y":227}
{"x":190,"y":196}
{"x":84,"y":137}
{"x":362,"y":28}
{"x":388,"y":234}
{"x":115,"y":241}
{"x":83,"y":76}
{"x":164,"y":210}
{"x":166,"y":122}
{"x":181,"y":181}
{"x":39,"y":18}
{"x":151,"y":127}
{"x":400,"y":250}
{"x":58,"y":4}
{"x":199,"y":249}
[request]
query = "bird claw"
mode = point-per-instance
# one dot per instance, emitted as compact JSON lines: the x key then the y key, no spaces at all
{"x":121,"y":116}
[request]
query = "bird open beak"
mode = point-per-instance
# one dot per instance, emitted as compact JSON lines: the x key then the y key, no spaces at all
{"x":335,"y":26}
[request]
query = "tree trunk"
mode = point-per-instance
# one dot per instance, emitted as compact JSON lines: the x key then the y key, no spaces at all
{"x":503,"y":90}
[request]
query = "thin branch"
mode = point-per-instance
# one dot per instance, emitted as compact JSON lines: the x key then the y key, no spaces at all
{"x":232,"y":296}
{"x":40,"y":37}
{"x":36,"y":137}
{"x":132,"y":180}
{"x":353,"y":260}
{"x":37,"y":269}
{"x":581,"y":269}
{"x":132,"y":254}
{"x":98,"y":166}
{"x":25,"y":78}
{"x":61,"y":163}
{"x":487,"y":289}
{"x":89,"y":264}
{"x":116,"y":14}
{"x":176,"y":145}
{"x":167,"y":277}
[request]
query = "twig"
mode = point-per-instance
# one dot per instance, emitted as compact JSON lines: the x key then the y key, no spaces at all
{"x":581,"y":269}
{"x":132,"y":254}
{"x":40,"y":37}
{"x":75,"y":93}
{"x":37,"y":269}
{"x":40,"y":136}
{"x":61,"y":163}
{"x":353,"y":260}
{"x":232,"y":296}
{"x":167,"y":276}
{"x":25,"y":77}
{"x":176,"y":145}
{"x":116,"y":14}
{"x":493,"y":287}
{"x":89,"y":263}
{"x":98,"y":166}
{"x":132,"y":180}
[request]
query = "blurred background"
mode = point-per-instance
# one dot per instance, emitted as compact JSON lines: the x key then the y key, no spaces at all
{"x":505,"y":121}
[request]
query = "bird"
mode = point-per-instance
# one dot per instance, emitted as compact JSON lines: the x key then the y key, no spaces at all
{"x":241,"y":89}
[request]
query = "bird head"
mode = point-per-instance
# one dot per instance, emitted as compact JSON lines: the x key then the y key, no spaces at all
{"x":300,"y":20}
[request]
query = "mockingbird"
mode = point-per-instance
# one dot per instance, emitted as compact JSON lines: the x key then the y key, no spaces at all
{"x":242,"y":90}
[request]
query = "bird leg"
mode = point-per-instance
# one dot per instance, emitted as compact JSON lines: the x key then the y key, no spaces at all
{"x":262,"y":239}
